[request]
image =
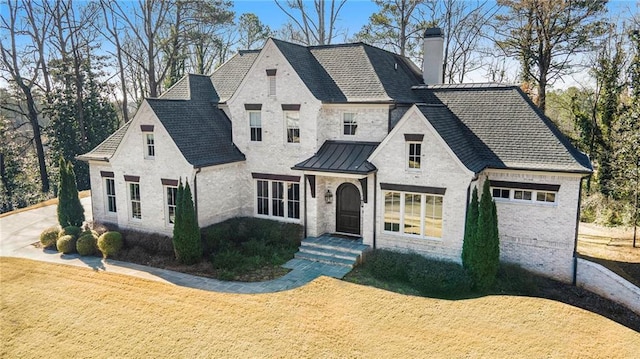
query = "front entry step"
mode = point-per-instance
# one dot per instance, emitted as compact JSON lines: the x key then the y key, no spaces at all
{"x":332,"y":250}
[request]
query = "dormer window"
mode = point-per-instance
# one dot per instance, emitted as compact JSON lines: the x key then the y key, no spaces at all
{"x":349,"y":123}
{"x":149,"y":141}
{"x":271,"y":75}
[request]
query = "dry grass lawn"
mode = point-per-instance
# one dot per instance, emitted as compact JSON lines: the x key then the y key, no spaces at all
{"x":56,"y":311}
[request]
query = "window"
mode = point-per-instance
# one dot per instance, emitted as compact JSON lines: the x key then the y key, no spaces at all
{"x":278,"y":199}
{"x":524,"y":195}
{"x":134,"y":197}
{"x":414,"y":155}
{"x":110,"y":187}
{"x":392,"y":211}
{"x":292,"y":119}
{"x":255,"y":125}
{"x":413,"y":214}
{"x":349,"y":123}
{"x":172,"y":194}
{"x":150,"y":142}
{"x":501,"y":193}
{"x":546,"y":197}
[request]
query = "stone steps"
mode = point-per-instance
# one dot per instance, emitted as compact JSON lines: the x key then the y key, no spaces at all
{"x":332,"y":250}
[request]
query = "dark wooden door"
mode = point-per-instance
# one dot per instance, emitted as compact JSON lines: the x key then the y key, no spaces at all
{"x":348,"y":209}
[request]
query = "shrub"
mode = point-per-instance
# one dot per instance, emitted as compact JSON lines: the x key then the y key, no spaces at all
{"x":49,"y":236}
{"x":149,"y":242}
{"x":110,"y":243}
{"x":70,"y":231}
{"x":387,"y":265}
{"x":66,"y":244}
{"x":186,"y":233}
{"x":70,"y":210}
{"x":87,"y":244}
{"x":483,"y":253}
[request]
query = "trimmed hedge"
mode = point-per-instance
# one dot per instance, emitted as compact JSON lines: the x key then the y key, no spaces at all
{"x":66,"y":244}
{"x":49,"y":236}
{"x":110,"y":243}
{"x":87,"y":244}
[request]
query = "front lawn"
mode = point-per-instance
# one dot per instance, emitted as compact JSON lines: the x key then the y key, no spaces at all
{"x":416,"y":275}
{"x":59,"y":311}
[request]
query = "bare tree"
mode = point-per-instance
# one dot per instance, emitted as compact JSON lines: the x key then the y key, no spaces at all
{"x":311,"y":26}
{"x":21,"y":66}
{"x":545,"y":36}
{"x":398,"y":26}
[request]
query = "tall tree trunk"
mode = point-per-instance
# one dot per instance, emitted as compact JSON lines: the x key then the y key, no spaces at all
{"x":37,"y":137}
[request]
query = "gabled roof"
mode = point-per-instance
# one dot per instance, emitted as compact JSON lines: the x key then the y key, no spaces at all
{"x":228,"y":77}
{"x":341,"y":157}
{"x":352,"y":72}
{"x":106,"y":150}
{"x":502,"y":127}
{"x":201,"y":131}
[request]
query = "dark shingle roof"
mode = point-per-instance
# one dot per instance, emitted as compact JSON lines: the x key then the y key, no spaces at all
{"x":201,"y":131}
{"x":341,"y":157}
{"x":352,"y":72}
{"x":504,"y":128}
{"x":228,"y":77}
{"x":105,"y":150}
{"x":179,"y":90}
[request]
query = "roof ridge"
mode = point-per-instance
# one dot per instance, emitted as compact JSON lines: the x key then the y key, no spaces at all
{"x":468,"y":85}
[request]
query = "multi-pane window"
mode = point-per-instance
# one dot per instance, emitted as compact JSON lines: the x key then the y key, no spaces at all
{"x":110,"y":187}
{"x":172,"y":194}
{"x":349,"y":123}
{"x":415,"y":149}
{"x":524,"y":195}
{"x":292,"y":119}
{"x":263,"y":197}
{"x":134,"y":198}
{"x":392,"y":211}
{"x":413,"y":214}
{"x":255,"y":125}
{"x":151,"y":147}
{"x":278,"y":199}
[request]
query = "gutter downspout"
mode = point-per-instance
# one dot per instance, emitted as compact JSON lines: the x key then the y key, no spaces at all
{"x":375,"y":206}
{"x":575,"y":241}
{"x":195,"y":193}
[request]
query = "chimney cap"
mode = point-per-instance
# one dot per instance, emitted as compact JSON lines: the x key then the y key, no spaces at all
{"x":433,"y":32}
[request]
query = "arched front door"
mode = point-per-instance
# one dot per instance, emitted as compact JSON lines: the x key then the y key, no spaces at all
{"x":348,"y":209}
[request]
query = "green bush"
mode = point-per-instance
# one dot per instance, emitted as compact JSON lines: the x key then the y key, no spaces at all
{"x":70,"y":210}
{"x":70,"y":231}
{"x":49,"y":236}
{"x":428,"y":276}
{"x":87,"y":244}
{"x":187,"y":241}
{"x":387,"y":265}
{"x":110,"y":243}
{"x":66,"y":244}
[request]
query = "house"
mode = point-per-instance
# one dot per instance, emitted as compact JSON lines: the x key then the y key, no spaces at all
{"x":347,"y":139}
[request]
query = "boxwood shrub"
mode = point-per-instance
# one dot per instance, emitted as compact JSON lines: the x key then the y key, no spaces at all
{"x":66,"y":244}
{"x":87,"y":244}
{"x":49,"y":236}
{"x":110,"y":243}
{"x":70,"y":231}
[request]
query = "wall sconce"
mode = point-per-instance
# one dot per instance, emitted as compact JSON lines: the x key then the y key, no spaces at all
{"x":328,"y":197}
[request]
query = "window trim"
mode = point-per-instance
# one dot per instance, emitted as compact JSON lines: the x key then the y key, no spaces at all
{"x":107,"y":196}
{"x":352,"y":125}
{"x":252,"y":127}
{"x":167,"y":206}
{"x":150,"y":147}
{"x":423,"y":214}
{"x":534,"y":196}
{"x":286,"y":126}
{"x":269,"y":198}
{"x":131,"y":201}
{"x":409,"y":156}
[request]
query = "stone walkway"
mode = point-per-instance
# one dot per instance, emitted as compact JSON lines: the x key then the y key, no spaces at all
{"x":19,"y":231}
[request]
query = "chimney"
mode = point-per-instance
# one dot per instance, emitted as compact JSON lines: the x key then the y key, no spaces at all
{"x":432,"y":56}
